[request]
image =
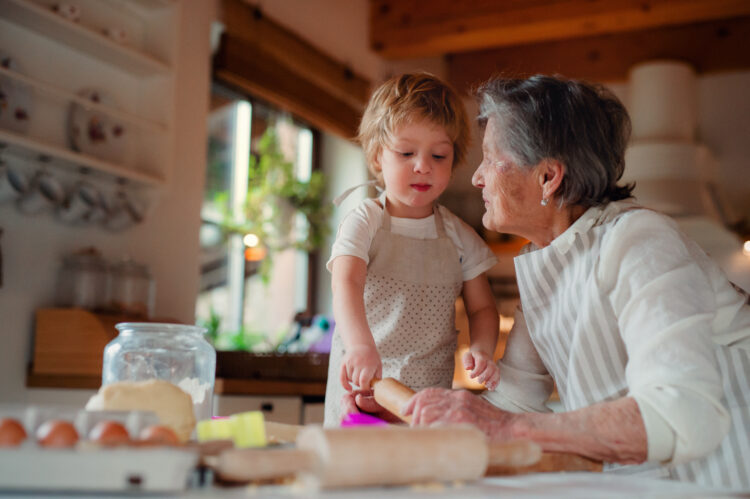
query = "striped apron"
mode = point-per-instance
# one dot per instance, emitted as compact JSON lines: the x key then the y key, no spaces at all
{"x":576,"y":334}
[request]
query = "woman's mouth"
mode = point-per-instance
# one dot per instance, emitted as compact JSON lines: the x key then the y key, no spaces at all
{"x":421,"y":187}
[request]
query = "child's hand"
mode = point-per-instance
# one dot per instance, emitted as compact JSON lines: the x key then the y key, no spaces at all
{"x":360,"y":365}
{"x":482,"y":368}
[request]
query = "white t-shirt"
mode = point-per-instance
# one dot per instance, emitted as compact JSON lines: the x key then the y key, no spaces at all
{"x":359,"y":226}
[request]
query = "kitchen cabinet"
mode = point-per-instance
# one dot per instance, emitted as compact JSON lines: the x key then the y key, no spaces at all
{"x":287,"y":410}
{"x":98,"y":82}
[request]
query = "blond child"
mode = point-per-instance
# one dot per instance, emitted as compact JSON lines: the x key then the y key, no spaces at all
{"x":400,"y":261}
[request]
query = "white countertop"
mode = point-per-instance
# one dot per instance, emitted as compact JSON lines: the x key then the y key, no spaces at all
{"x":540,"y":485}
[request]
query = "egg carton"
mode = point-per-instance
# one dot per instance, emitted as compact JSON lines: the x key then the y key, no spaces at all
{"x":33,"y":416}
{"x":89,"y":467}
{"x":120,"y":469}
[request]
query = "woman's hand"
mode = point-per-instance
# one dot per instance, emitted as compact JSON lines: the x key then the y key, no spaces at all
{"x":360,"y":365}
{"x":358,"y":401}
{"x":445,"y":406}
{"x":482,"y":368}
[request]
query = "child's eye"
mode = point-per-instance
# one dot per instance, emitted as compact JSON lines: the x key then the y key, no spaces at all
{"x":407,"y":154}
{"x":438,"y":156}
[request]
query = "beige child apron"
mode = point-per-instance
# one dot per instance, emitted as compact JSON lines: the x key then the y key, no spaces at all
{"x":410,"y":293}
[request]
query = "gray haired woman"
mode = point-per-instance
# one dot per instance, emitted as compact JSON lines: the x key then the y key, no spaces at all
{"x":645,"y":338}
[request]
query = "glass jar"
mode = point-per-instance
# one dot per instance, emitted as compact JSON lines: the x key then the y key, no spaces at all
{"x":131,"y":289}
{"x":83,"y":280}
{"x":172,"y":352}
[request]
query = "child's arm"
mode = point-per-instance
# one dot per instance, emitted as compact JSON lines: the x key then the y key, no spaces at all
{"x":483,"y":331}
{"x":361,"y":362}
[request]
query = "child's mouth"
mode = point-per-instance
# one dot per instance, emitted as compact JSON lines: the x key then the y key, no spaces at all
{"x":421,"y":187}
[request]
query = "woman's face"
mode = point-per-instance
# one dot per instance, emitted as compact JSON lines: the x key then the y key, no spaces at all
{"x":510,"y":192}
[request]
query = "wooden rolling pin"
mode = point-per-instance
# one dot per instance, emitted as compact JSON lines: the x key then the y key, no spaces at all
{"x":392,"y":395}
{"x":373,"y":456}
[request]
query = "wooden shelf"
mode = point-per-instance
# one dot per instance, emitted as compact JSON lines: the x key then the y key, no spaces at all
{"x":224,"y":386}
{"x":50,"y":25}
{"x":88,"y":104}
{"x":28,"y":148}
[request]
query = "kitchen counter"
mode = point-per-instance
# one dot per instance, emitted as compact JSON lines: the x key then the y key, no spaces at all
{"x":540,"y":485}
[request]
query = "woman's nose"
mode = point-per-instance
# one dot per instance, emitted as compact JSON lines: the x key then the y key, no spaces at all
{"x":476,"y":179}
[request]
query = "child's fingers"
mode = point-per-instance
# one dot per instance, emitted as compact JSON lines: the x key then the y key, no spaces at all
{"x":344,"y":377}
{"x":491,"y":383}
{"x":480,"y":365}
{"x":365,"y":377}
{"x":468,"y":360}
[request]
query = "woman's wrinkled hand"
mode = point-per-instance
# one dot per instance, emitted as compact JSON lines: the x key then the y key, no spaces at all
{"x":481,"y":368}
{"x":360,"y":365}
{"x":444,"y":406}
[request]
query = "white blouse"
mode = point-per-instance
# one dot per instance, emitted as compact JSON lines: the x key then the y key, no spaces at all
{"x":623,"y":304}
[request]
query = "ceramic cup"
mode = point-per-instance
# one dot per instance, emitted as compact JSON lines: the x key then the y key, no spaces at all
{"x":123,"y":211}
{"x":14,"y":183}
{"x":82,"y":206}
{"x":45,"y":193}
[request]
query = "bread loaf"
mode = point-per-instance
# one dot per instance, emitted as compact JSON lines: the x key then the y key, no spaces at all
{"x":172,"y":405}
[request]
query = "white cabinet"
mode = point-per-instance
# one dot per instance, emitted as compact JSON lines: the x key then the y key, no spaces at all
{"x":278,"y":409}
{"x":114,"y":66}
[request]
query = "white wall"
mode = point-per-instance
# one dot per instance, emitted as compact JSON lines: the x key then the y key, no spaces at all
{"x":167,"y":241}
{"x":344,"y":167}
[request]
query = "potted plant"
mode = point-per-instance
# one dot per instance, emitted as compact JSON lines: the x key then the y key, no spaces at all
{"x":276,"y":199}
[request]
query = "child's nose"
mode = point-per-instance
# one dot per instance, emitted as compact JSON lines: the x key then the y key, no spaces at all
{"x":422,"y":165}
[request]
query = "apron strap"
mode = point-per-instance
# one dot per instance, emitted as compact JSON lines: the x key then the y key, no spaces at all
{"x":386,"y":224}
{"x":439,"y":225}
{"x":341,"y":197}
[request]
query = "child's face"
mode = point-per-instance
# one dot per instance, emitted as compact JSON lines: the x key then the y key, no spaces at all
{"x":416,"y":168}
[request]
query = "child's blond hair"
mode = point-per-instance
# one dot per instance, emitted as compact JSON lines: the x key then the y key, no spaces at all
{"x":408,"y":98}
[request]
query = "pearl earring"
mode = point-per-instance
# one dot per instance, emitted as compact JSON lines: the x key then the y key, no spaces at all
{"x":545,"y":201}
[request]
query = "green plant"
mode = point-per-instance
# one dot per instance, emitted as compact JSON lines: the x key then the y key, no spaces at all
{"x":274,"y":197}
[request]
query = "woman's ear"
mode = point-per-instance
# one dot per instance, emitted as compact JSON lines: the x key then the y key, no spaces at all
{"x":551,"y":173}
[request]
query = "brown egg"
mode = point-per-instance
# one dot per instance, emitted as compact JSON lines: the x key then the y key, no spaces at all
{"x":56,"y":433}
{"x":109,"y":433}
{"x":159,"y":434}
{"x":12,"y":433}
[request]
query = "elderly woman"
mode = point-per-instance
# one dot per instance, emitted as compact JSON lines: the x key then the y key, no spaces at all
{"x":646,"y":339}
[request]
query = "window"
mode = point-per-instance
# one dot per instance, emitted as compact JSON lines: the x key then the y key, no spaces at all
{"x":240,"y":309}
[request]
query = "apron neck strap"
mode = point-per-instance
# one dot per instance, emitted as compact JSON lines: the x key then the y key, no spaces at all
{"x":386,"y":225}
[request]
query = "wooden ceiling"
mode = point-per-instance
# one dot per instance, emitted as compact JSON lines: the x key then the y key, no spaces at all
{"x":593,"y":39}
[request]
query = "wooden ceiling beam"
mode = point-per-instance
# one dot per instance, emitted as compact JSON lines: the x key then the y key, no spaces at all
{"x":709,"y":47}
{"x":237,"y":65}
{"x":420,"y":28}
{"x":262,"y":35}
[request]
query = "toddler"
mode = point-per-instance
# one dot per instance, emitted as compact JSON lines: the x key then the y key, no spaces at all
{"x":400,"y":261}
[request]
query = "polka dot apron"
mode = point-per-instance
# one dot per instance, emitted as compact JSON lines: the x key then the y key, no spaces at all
{"x":410,"y":292}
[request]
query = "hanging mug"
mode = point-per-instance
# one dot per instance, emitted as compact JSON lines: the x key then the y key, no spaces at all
{"x":14,"y":182}
{"x":45,"y":193}
{"x":82,"y":206}
{"x":123,"y":211}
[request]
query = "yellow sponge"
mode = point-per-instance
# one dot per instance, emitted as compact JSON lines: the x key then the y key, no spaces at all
{"x":246,"y":429}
